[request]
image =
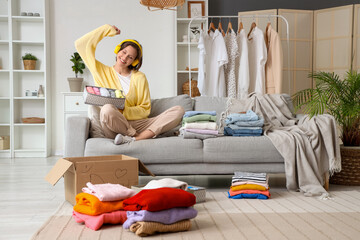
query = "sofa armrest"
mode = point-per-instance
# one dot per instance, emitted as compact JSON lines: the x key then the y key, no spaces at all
{"x":76,"y":134}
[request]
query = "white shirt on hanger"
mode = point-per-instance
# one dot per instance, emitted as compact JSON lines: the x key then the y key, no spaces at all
{"x":214,"y":54}
{"x":242,"y":65}
{"x":257,"y":61}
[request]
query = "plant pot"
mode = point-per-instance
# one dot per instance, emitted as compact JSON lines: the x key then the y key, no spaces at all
{"x":75,"y":84}
{"x":29,"y":64}
{"x":350,"y":167}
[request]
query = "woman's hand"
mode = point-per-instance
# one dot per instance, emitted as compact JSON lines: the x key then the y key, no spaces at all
{"x":117,"y":30}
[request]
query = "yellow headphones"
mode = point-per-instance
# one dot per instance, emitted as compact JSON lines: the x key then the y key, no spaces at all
{"x":136,"y":61}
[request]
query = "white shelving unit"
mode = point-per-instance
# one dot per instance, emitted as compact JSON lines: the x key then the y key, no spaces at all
{"x":20,"y":35}
{"x":181,"y":53}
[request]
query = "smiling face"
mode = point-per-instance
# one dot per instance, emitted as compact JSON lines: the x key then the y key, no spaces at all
{"x":126,"y":56}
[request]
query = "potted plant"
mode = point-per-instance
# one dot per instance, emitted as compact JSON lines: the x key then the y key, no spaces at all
{"x":29,"y":61}
{"x":341,"y":99}
{"x":78,"y":66}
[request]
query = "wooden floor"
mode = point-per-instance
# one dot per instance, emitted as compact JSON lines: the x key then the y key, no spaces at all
{"x":27,"y":200}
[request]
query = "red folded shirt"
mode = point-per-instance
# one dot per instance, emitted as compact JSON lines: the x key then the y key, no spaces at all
{"x":159,"y":199}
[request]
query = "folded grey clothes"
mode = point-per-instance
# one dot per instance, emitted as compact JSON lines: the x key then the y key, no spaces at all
{"x":144,"y":229}
{"x":168,"y":216}
{"x":259,"y":177}
{"x":166,"y":182}
{"x":190,"y":135}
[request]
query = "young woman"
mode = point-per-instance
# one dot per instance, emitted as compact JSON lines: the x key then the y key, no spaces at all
{"x":131,"y":123}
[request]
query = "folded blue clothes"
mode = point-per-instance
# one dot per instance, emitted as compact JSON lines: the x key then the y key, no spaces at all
{"x":248,"y":195}
{"x":256,"y":123}
{"x":236,"y":127}
{"x":192,"y":113}
{"x":236,"y":132}
{"x":248,"y":116}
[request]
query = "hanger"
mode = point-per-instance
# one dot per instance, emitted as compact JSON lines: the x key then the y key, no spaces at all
{"x":211,"y":27}
{"x":220,"y":28}
{"x":253,"y":25}
{"x":229,"y":27}
{"x":241,"y":26}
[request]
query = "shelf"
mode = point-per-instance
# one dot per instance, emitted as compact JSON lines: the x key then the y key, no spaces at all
{"x":28,"y":124}
{"x":4,"y":71}
{"x":4,"y":17}
{"x":28,"y":19}
{"x":186,"y":71}
{"x":183,"y":44}
{"x":187,"y":20}
{"x":30,"y":98}
{"x":4,"y":124}
{"x":28,"y":71}
{"x":28,"y":42}
{"x":4,"y":98}
{"x":4,"y":41}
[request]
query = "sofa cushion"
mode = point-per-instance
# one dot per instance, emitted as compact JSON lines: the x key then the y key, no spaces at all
{"x":160,"y":105}
{"x":158,"y":150}
{"x":204,"y":103}
{"x":240,"y":150}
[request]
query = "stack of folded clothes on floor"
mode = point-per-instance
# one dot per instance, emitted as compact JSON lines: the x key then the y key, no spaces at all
{"x":159,"y":210}
{"x":101,"y":203}
{"x":199,"y":125}
{"x":249,"y":185}
{"x":243,"y":124}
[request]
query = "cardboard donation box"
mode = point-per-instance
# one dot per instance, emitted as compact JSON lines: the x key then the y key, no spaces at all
{"x":77,"y":171}
{"x":4,"y":142}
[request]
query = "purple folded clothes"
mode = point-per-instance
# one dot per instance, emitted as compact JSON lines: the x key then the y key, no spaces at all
{"x":168,"y":216}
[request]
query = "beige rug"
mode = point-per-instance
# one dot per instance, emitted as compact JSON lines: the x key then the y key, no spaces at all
{"x":287,"y":215}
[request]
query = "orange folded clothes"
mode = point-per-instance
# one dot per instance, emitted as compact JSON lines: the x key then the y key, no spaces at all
{"x":159,"y":199}
{"x":248,"y":186}
{"x":249,"y":191}
{"x":91,"y":205}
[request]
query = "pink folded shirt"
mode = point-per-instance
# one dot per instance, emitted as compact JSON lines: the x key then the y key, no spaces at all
{"x":108,"y":192}
{"x":95,"y":222}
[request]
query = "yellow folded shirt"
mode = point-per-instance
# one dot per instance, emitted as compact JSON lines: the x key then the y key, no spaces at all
{"x":248,"y":186}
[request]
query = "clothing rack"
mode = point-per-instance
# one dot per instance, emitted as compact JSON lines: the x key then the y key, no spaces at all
{"x":246,"y":16}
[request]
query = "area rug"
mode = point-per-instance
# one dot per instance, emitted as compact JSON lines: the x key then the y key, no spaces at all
{"x":287,"y":215}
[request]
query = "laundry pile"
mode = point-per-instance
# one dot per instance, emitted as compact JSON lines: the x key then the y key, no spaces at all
{"x":243,"y":124}
{"x":249,"y":185}
{"x":161,"y":206}
{"x":101,"y":203}
{"x":199,"y":125}
{"x":105,"y":92}
{"x":159,"y":210}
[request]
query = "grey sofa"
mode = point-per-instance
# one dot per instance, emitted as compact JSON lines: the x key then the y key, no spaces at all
{"x":173,"y":155}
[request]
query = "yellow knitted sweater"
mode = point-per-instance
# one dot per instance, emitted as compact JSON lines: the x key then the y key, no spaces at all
{"x":138,"y":103}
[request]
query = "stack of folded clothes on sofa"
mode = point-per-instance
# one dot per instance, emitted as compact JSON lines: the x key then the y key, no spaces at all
{"x":199,"y":125}
{"x":249,"y":185}
{"x":101,"y":203}
{"x":243,"y":124}
{"x":159,"y":210}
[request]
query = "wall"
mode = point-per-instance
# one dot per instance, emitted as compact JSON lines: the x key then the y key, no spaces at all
{"x":232,"y":7}
{"x":71,"y":19}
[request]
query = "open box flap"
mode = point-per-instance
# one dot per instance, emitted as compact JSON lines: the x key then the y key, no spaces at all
{"x":144,"y":169}
{"x":58,"y":171}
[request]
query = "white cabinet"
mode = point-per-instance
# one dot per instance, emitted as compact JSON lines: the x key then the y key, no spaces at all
{"x":74,"y":105}
{"x":21,"y":34}
{"x":181,"y":52}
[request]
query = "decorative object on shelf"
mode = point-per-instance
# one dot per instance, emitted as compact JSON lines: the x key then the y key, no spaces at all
{"x":40,"y":92}
{"x":27,"y":93}
{"x":185,"y":38}
{"x":194,"y":89}
{"x":195,"y":31}
{"x":23,"y":14}
{"x":34,"y":93}
{"x":76,"y":82}
{"x":30,"y":14}
{"x":36,"y":14}
{"x":162,"y":4}
{"x":29,"y":61}
{"x":33,"y":120}
{"x":196,"y":9}
{"x":339,"y":98}
{"x":4,"y":142}
{"x":193,"y":69}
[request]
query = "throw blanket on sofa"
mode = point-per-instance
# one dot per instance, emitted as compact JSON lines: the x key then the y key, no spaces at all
{"x":310,"y":147}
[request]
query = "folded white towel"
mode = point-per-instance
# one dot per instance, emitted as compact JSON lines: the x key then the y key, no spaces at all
{"x":166,"y":182}
{"x":201,"y":125}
